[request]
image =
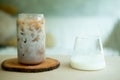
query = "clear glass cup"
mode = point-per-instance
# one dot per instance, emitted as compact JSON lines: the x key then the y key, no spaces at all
{"x":31,"y":38}
{"x":88,"y":53}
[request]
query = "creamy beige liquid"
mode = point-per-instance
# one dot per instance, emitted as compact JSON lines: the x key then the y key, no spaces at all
{"x":88,"y":62}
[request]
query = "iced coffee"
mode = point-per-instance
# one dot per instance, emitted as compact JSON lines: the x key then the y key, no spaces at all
{"x":31,"y":38}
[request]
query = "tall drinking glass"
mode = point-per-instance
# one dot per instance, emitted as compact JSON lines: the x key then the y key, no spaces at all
{"x":31,"y":38}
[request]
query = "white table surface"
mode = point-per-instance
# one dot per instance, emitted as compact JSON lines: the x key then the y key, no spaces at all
{"x":65,"y":72}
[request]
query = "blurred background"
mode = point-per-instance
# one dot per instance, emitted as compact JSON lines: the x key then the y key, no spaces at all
{"x":65,"y":19}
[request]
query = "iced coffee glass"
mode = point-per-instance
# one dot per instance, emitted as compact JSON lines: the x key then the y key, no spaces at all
{"x":31,"y":38}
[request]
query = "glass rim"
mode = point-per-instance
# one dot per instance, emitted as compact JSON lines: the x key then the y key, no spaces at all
{"x":31,"y":14}
{"x":88,"y":36}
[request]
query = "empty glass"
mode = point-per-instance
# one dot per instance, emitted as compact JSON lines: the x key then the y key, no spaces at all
{"x":88,"y":53}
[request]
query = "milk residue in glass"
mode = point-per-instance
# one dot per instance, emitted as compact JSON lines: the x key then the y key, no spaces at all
{"x":88,"y":62}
